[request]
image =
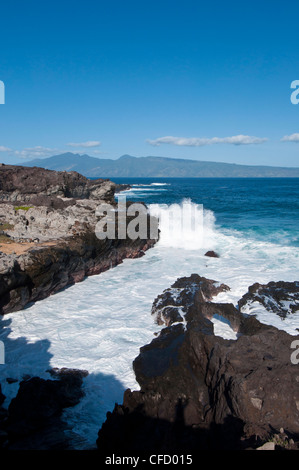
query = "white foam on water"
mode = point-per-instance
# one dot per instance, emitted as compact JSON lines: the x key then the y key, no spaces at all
{"x":222,"y":327}
{"x":144,"y":189}
{"x":290,"y":323}
{"x":100,"y":324}
{"x":186,"y":225}
{"x":140,"y":190}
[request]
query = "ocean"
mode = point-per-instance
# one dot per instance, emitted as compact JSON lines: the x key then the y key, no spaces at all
{"x":265,"y":209}
{"x":100,"y":324}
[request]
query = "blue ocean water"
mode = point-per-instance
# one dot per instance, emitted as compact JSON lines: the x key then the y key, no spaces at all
{"x":100,"y":324}
{"x":265,"y":209}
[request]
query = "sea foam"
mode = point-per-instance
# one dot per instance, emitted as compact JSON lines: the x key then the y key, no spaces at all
{"x":100,"y":324}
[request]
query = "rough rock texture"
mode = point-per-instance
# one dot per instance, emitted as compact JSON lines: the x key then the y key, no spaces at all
{"x":48,"y":241}
{"x":173,"y":303}
{"x":21,"y":184}
{"x":42,"y":271}
{"x":200,"y":391}
{"x":42,"y":205}
{"x":212,"y":254}
{"x":281,"y":297}
{"x":33,"y":420}
{"x":56,"y":214}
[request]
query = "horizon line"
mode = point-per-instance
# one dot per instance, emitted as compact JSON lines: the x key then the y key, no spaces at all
{"x":150,"y":156}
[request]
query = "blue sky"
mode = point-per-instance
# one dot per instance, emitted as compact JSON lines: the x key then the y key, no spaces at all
{"x":184,"y":79}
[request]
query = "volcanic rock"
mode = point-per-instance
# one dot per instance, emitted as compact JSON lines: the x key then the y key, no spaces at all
{"x":201,"y":391}
{"x":34,"y":419}
{"x":171,"y":306}
{"x":48,"y":222}
{"x":212,"y":254}
{"x":21,"y":184}
{"x":280,"y":297}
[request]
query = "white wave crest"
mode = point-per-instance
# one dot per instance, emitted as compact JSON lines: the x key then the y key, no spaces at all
{"x":186,"y":225}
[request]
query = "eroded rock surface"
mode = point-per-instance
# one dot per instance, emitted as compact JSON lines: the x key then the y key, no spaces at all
{"x":48,"y":239}
{"x":172,"y":305}
{"x":201,"y":391}
{"x":33,"y":420}
{"x":21,"y":184}
{"x":280,"y":297}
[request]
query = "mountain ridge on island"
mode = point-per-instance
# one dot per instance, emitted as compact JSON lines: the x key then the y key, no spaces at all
{"x":128,"y":166}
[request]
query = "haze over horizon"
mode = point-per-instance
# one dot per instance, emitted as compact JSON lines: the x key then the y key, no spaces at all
{"x":186,"y":80}
{"x":128,"y":166}
{"x":120,"y":157}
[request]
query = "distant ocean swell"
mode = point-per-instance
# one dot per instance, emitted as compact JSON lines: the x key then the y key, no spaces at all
{"x":95,"y":325}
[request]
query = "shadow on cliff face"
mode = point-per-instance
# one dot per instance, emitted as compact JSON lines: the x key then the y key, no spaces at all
{"x":134,"y":432}
{"x":200,"y":391}
{"x":39,"y":404}
{"x":18,"y":352}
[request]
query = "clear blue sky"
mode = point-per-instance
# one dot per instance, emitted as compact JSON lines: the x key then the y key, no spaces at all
{"x":172,"y":78}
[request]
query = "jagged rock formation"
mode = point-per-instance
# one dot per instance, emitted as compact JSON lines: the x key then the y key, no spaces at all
{"x":47,"y":233}
{"x":48,"y":241}
{"x":22,"y":184}
{"x":43,"y":205}
{"x":281,"y":297}
{"x":201,"y":391}
{"x":33,"y":419}
{"x":172,"y":305}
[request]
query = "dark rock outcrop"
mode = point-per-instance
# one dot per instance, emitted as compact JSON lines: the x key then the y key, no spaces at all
{"x":122,"y":187}
{"x":3,"y":417}
{"x":33,"y":420}
{"x":48,"y":229}
{"x":46,"y":270}
{"x":201,"y":391}
{"x":212,"y":254}
{"x":280,"y":297}
{"x":18,"y":183}
{"x":59,"y":224}
{"x":173,"y":303}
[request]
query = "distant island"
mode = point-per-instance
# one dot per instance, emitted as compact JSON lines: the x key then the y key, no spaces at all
{"x":157,"y":167}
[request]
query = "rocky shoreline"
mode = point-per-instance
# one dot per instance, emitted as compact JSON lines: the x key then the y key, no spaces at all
{"x":199,"y":391}
{"x":48,"y":239}
{"x":33,"y":420}
{"x":48,"y":242}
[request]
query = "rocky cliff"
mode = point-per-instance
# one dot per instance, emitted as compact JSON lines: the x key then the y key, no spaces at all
{"x":33,"y":420}
{"x":21,"y":184}
{"x":199,"y":391}
{"x":47,"y":242}
{"x":47,"y":233}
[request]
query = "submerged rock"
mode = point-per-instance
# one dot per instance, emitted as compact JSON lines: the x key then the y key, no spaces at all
{"x":212,"y":254}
